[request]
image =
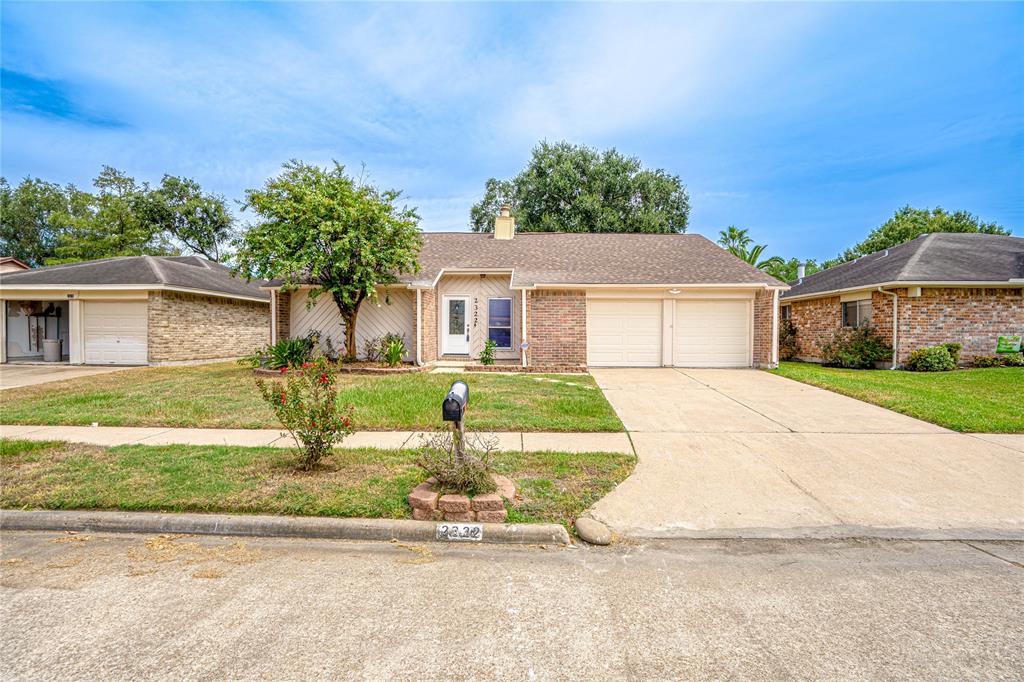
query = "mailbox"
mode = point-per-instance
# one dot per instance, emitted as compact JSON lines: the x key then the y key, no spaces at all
{"x":453,"y":409}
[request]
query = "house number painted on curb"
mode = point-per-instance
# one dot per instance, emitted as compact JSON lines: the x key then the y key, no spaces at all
{"x":460,"y":531}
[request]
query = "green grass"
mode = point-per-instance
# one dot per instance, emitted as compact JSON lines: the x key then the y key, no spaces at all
{"x":967,"y":400}
{"x":366,"y":483}
{"x":224,"y":395}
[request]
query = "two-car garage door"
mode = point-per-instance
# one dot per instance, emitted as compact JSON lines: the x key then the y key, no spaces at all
{"x":703,"y":332}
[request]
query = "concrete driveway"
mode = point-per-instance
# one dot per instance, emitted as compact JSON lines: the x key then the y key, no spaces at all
{"x":15,"y":376}
{"x":744,"y":453}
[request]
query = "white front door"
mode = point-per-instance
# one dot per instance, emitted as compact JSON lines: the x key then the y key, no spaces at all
{"x":455,"y":325}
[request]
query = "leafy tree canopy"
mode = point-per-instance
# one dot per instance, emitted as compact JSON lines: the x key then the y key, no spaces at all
{"x":786,"y":270}
{"x":321,"y":226}
{"x":574,"y":188}
{"x":27,"y":228}
{"x":909,"y":223}
{"x":43,"y":223}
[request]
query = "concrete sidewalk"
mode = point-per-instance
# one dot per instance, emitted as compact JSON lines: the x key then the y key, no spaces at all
{"x":126,"y":435}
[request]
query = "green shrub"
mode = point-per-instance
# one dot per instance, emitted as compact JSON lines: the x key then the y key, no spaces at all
{"x":1013,"y":360}
{"x":855,"y":348}
{"x":931,"y":359}
{"x":284,"y":353}
{"x":306,"y":403}
{"x":371,"y":348}
{"x":487,"y":354}
{"x":392,"y":349}
{"x":954,"y":351}
{"x":788,"y":345}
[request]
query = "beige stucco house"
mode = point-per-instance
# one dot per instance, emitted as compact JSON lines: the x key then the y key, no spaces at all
{"x":141,"y":310}
{"x":563,"y":300}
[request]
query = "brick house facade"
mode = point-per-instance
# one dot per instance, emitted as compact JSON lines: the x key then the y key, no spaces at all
{"x":187,"y":327}
{"x":972,"y":316}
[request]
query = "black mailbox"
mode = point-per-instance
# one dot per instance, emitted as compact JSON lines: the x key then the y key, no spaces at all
{"x":453,"y":409}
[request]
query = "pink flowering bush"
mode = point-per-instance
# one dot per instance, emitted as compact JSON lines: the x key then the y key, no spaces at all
{"x":305,"y":401}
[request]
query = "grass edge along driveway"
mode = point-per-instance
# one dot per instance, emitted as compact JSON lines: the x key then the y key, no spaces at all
{"x":224,"y":395}
{"x":554,"y":487}
{"x":989,"y":400}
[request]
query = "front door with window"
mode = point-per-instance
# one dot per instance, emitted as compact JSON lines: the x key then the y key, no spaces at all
{"x":455,"y":325}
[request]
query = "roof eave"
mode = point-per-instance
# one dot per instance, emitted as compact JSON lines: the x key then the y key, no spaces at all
{"x":910,"y":283}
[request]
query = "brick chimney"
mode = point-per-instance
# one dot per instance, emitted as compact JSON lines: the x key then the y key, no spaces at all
{"x":504,"y":223}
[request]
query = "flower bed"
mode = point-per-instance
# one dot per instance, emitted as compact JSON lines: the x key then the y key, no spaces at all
{"x":349,"y":368}
{"x":532,"y":369}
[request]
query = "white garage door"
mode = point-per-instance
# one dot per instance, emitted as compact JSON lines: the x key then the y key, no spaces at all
{"x":712,"y":333}
{"x":624,"y":333}
{"x":115,"y":333}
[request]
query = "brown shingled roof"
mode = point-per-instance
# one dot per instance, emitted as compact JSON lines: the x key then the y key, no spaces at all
{"x":539,"y":258}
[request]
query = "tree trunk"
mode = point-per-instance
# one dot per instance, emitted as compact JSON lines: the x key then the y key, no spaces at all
{"x":350,"y":334}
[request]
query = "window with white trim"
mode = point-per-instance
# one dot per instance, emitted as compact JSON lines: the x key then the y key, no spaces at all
{"x":857,"y":313}
{"x":787,"y":312}
{"x":499,"y":321}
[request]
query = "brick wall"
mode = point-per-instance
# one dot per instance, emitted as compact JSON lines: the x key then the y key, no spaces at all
{"x":185,"y":327}
{"x":764,"y":306}
{"x":974,"y":317}
{"x":816,"y":320}
{"x":557,"y":327}
{"x":284,"y":314}
{"x":429,"y":334}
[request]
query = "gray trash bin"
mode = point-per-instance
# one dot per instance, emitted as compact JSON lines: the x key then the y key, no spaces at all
{"x":51,"y":350}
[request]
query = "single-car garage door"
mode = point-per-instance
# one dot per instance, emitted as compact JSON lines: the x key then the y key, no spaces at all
{"x":712,"y":333}
{"x":623,"y":333}
{"x":115,"y":333}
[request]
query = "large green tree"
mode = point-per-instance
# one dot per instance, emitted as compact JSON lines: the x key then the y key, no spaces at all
{"x":908,"y":223}
{"x":179,"y":209}
{"x":574,"y":188}
{"x":320,"y":226}
{"x":108,"y":223}
{"x":30,"y":219}
{"x":786,"y":270}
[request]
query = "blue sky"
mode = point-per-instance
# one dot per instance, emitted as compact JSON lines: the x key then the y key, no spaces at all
{"x":807,"y":124}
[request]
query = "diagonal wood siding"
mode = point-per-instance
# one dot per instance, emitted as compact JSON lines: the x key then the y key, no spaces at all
{"x":480,"y":289}
{"x":375,"y":319}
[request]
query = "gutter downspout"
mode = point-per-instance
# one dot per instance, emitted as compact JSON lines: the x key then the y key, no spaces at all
{"x":273,"y":317}
{"x":419,"y":327}
{"x":895,"y":324}
{"x":775,"y":328}
{"x":522,"y":331}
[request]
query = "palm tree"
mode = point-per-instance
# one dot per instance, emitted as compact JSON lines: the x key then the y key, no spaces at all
{"x":738,"y":243}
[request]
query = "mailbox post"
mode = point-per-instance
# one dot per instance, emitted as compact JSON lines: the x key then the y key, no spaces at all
{"x":453,"y":409}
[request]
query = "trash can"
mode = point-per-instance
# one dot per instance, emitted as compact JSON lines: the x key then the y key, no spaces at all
{"x":51,"y":350}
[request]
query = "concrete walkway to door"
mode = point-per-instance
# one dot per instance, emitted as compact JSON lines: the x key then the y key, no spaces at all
{"x":744,"y":453}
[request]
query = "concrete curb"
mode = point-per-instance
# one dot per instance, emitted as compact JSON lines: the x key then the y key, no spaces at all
{"x":270,"y":526}
{"x":831,"y":533}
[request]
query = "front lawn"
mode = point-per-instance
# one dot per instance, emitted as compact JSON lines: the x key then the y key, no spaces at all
{"x":367,"y":483}
{"x":968,"y":400}
{"x":224,"y":395}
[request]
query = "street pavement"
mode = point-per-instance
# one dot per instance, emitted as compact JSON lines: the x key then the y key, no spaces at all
{"x":131,"y":607}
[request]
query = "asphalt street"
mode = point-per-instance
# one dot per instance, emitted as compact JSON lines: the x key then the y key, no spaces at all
{"x":119,"y":607}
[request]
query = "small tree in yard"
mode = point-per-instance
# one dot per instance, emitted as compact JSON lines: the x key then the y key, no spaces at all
{"x":306,"y":403}
{"x":320,"y":226}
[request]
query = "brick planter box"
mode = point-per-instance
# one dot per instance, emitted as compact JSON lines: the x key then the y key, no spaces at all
{"x":539,"y":369}
{"x":428,"y":505}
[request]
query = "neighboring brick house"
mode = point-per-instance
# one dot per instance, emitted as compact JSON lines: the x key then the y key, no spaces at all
{"x":135,"y":310}
{"x":963,"y":288}
{"x":563,"y":300}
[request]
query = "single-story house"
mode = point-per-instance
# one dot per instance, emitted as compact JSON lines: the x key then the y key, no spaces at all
{"x":563,"y":299}
{"x":134,"y":310}
{"x":10,"y":264}
{"x":962,"y":288}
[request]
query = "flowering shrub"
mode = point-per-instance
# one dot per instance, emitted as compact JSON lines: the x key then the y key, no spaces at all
{"x":306,"y":403}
